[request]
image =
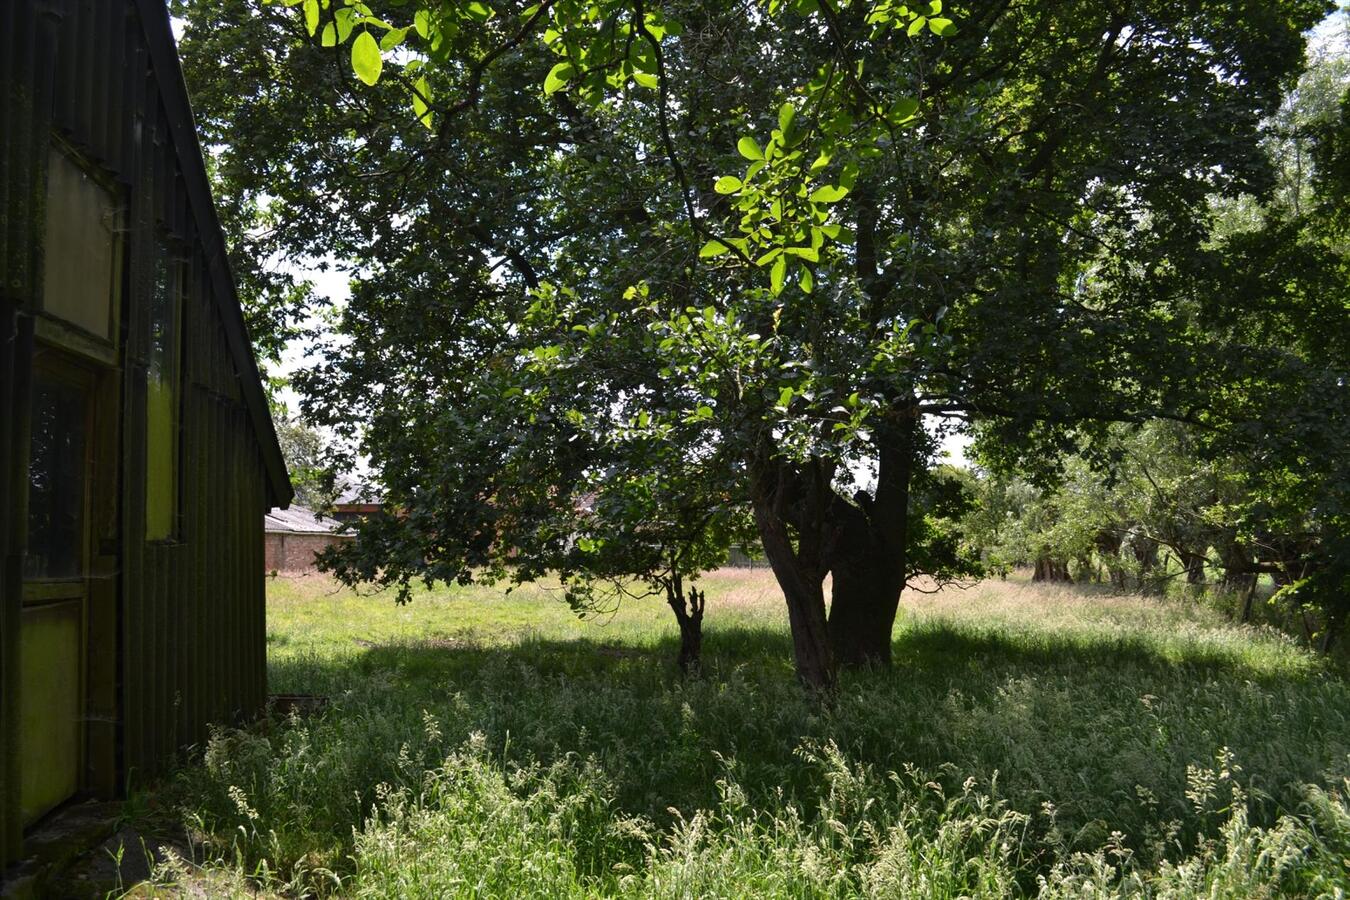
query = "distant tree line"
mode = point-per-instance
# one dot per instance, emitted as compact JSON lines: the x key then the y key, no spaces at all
{"x":1161,"y":518}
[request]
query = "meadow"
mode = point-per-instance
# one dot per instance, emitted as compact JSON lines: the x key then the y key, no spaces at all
{"x":1031,"y":740}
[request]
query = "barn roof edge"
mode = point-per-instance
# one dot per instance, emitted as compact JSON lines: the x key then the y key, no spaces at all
{"x":154,"y":16}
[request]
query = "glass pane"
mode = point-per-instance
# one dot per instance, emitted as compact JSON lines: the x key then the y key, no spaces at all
{"x":81,"y":247}
{"x":161,"y":401}
{"x":56,"y":479}
{"x":50,"y":706}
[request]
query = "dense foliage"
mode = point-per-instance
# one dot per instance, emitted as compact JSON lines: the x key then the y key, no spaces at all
{"x":1258,"y":484}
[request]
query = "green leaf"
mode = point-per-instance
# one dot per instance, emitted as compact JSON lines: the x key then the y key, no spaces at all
{"x":728,"y":184}
{"x":903,"y":110}
{"x":366,"y":59}
{"x":777,"y":275}
{"x":807,"y":281}
{"x":422,"y":22}
{"x":942,"y":27}
{"x":916,"y":26}
{"x":807,"y":253}
{"x":345,"y":18}
{"x":311,"y":16}
{"x":713,"y":248}
{"x":786,"y":114}
{"x":421,"y":94}
{"x":749,"y":148}
{"x":479,"y":11}
{"x":329,"y":36}
{"x":392,"y":38}
{"x":558,"y":77}
{"x":646,"y":79}
{"x":828,"y":194}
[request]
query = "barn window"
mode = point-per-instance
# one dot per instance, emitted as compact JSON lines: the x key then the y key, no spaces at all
{"x":162,"y":398}
{"x":81,"y":269}
{"x":57,"y":476}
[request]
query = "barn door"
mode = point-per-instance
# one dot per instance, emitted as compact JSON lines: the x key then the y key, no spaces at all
{"x":56,"y":585}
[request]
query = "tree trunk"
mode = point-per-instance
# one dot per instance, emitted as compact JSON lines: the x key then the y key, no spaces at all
{"x":1247,"y":599}
{"x":869,"y":542}
{"x":865,"y":599}
{"x":690,"y":618}
{"x":1146,"y":555}
{"x":1195,"y":568}
{"x":870,"y":556}
{"x":1237,"y":565}
{"x":1048,"y":568}
{"x":799,"y":571}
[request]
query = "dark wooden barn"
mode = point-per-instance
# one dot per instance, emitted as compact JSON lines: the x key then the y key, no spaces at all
{"x":137,"y":454}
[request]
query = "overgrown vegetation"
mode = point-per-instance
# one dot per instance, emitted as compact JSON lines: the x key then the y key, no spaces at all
{"x":1035,"y":739}
{"x":633,"y":282}
{"x":1159,"y":517}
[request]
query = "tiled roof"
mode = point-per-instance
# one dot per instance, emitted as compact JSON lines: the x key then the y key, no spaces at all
{"x":356,"y":494}
{"x":298,"y":520}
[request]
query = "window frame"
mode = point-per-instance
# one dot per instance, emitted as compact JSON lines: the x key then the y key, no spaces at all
{"x":168,"y":253}
{"x":52,"y":326}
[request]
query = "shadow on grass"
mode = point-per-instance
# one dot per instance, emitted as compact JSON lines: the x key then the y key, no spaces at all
{"x":1103,"y":727}
{"x":1041,"y":708}
{"x":925,"y":650}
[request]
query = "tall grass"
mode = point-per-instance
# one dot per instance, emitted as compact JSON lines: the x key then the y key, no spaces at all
{"x":1028,"y":741}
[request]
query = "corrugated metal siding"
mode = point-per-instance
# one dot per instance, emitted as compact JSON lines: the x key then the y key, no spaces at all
{"x":192,"y":630}
{"x":27,"y":41}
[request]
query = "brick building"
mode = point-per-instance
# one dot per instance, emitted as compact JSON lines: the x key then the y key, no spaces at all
{"x":293,"y":536}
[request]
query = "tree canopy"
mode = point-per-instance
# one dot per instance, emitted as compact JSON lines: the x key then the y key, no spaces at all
{"x":627,"y":274}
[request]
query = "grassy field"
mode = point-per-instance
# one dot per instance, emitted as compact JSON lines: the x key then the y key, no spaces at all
{"x":1029,"y":740}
